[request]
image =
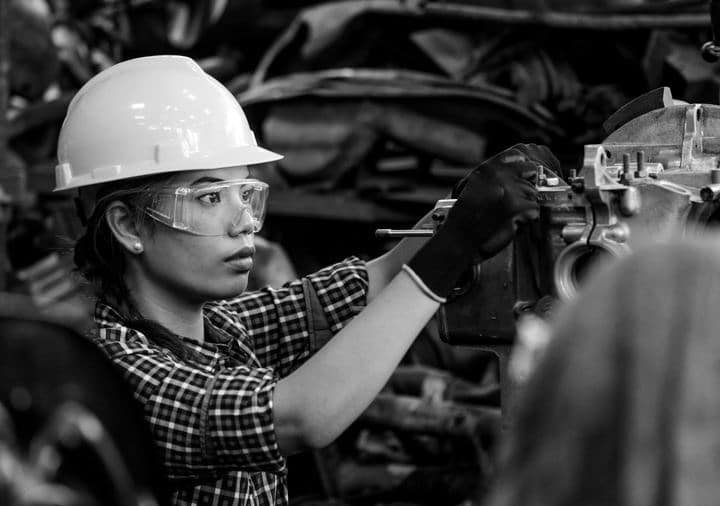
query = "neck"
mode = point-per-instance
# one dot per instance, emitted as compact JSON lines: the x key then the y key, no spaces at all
{"x":180,"y":316}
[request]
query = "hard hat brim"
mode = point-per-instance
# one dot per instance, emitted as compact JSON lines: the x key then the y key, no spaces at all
{"x":240,"y":156}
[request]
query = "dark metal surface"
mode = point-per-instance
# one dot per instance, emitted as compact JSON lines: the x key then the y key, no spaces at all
{"x":75,"y":423}
{"x":4,"y":87}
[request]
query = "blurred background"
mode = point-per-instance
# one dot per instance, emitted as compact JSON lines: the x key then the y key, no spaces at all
{"x":379,"y":107}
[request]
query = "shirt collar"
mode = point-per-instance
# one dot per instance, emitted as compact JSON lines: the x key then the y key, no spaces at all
{"x":108,"y":314}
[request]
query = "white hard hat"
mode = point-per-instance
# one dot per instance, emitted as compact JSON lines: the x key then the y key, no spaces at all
{"x":152,"y":115}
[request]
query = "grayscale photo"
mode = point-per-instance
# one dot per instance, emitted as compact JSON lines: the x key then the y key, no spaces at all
{"x":359,"y":252}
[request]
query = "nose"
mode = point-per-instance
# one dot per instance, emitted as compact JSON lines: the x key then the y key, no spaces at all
{"x":242,"y":223}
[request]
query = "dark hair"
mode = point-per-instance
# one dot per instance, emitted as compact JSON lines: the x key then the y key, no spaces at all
{"x":622,"y":409}
{"x":100,"y":258}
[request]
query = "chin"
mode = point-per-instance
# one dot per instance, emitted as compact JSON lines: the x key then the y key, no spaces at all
{"x":237,"y":287}
{"x":222,"y":286}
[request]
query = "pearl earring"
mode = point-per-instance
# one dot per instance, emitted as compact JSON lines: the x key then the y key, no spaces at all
{"x":138,"y":247}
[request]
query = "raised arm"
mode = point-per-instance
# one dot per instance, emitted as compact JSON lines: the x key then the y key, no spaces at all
{"x":382,"y":269}
{"x":320,"y":399}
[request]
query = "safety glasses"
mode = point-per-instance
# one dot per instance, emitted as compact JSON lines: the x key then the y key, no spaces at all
{"x":211,"y":209}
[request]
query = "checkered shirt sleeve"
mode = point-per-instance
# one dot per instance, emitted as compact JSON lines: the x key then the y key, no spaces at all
{"x":279,"y":321}
{"x":205,"y":420}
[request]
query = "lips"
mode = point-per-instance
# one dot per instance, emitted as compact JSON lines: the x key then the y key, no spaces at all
{"x":247,"y":251}
{"x":241,"y":260}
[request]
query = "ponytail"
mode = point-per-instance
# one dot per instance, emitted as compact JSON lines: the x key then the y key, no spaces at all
{"x":100,"y":259}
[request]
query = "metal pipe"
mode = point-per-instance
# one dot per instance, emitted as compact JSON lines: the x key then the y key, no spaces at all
{"x":415,"y":232}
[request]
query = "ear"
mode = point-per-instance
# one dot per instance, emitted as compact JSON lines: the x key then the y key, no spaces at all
{"x":122,"y":224}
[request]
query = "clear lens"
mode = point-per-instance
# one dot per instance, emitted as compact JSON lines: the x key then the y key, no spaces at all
{"x":212,"y":209}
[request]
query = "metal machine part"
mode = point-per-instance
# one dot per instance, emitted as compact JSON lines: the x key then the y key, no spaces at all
{"x":655,"y":176}
{"x":71,"y":434}
{"x":37,"y":477}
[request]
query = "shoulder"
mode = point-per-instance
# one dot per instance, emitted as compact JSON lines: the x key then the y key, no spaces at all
{"x":341,"y":282}
{"x":352,"y":267}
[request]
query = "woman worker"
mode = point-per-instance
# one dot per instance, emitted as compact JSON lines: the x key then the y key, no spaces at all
{"x":231,"y":383}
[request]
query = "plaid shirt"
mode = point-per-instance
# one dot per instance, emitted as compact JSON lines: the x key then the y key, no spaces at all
{"x":212,"y":416}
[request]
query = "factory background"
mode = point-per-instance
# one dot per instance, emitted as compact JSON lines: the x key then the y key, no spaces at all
{"x":379,"y":107}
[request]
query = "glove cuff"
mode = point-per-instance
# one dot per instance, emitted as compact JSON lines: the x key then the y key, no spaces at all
{"x":422,"y":286}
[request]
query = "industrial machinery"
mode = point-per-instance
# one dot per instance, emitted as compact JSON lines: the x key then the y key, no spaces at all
{"x":656,"y":175}
{"x":71,"y":434}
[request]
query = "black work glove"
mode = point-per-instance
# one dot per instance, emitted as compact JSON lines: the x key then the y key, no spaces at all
{"x":535,"y":155}
{"x":491,"y":201}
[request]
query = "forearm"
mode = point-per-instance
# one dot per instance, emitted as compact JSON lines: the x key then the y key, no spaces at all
{"x":327,"y":393}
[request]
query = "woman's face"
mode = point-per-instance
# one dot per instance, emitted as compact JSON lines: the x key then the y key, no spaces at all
{"x":199,"y":268}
